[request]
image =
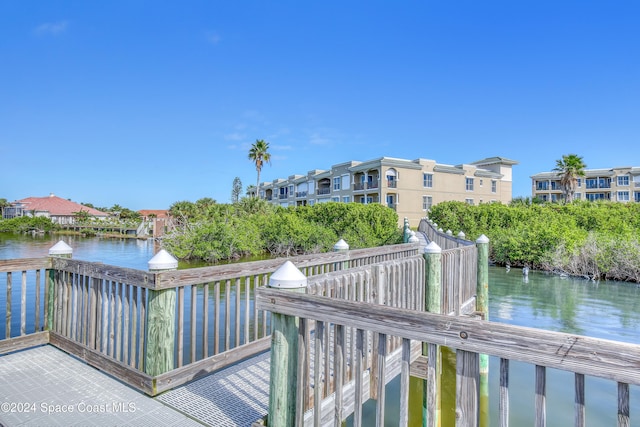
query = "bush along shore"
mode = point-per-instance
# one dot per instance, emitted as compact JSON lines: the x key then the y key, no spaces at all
{"x":595,"y":240}
{"x":254,"y":227}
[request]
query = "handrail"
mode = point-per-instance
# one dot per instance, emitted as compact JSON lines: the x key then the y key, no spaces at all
{"x":470,"y":337}
{"x":105,"y":310}
{"x":444,"y":240}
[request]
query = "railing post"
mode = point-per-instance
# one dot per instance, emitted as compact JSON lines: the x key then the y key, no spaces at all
{"x":284,"y":351}
{"x":482,"y":306}
{"x":60,"y":250}
{"x":161,"y":320}
{"x":431,"y":402}
{"x":405,"y":230}
{"x":342,"y":246}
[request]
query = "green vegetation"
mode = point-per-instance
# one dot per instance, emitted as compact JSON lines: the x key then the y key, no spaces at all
{"x":591,"y":239}
{"x":27,"y":224}
{"x":253,"y":227}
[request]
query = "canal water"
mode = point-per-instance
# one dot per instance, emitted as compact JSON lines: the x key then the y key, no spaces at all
{"x":606,"y":309}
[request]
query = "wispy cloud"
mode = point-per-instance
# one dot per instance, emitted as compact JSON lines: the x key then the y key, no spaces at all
{"x":235,"y":136}
{"x":51,"y":28}
{"x":317,"y":139}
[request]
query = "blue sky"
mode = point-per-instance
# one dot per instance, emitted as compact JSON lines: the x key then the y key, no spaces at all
{"x":144,"y":104}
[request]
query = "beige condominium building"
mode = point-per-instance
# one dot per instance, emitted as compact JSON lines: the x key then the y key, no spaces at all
{"x":410,"y":187}
{"x":621,"y":184}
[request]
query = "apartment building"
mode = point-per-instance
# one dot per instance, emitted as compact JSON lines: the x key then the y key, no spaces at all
{"x":621,"y":184}
{"x":410,"y":187}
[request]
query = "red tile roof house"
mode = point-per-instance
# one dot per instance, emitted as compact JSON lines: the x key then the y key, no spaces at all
{"x":59,"y":210}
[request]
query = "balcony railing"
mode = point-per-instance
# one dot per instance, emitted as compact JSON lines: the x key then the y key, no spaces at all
{"x":373,"y":184}
{"x":358,"y":187}
{"x":283,"y":196}
{"x":391,"y":184}
{"x":322,"y":191}
{"x":301,"y":194}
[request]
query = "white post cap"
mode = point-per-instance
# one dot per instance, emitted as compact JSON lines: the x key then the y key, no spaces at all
{"x":461,"y":235}
{"x":341,"y":245}
{"x":413,"y":238}
{"x":60,"y":248}
{"x":287,"y":276}
{"x":450,"y":233}
{"x":163,"y":260}
{"x":482,"y":239}
{"x":432,"y":248}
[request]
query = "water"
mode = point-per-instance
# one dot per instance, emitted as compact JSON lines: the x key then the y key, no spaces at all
{"x":608,"y":310}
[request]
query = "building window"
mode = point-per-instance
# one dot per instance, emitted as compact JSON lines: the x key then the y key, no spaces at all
{"x":623,"y":196}
{"x":623,"y":181}
{"x":335,"y":199}
{"x":469,"y":201}
{"x":636,"y":196}
{"x":592,"y":197}
{"x":427,"y":202}
{"x":481,"y":182}
{"x":336,"y":183}
{"x":542,"y":185}
{"x":291,"y":187}
{"x":494,"y":186}
{"x":427,"y":180}
{"x":346,"y":199}
{"x":577,"y":196}
{"x":579,"y":182}
{"x":469,"y":184}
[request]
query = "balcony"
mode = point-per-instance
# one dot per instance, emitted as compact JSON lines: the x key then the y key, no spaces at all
{"x":323,"y":191}
{"x":283,"y":196}
{"x":598,"y":183}
{"x":301,"y":194}
{"x":358,"y":187}
{"x":372,"y":185}
{"x":392,"y":184}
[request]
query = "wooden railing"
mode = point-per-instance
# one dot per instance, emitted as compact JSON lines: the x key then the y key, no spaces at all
{"x":399,"y":283}
{"x":459,"y":280}
{"x":442,"y":238}
{"x":583,"y":356}
{"x":106,"y":315}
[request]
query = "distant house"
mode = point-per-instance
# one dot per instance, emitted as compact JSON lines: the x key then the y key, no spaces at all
{"x":147,"y":214}
{"x":155,"y":222}
{"x":59,"y":210}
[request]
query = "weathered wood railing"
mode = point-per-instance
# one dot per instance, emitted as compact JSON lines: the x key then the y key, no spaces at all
{"x":104,"y":314}
{"x":398,"y":283}
{"x":444,"y":239}
{"x":470,"y":337}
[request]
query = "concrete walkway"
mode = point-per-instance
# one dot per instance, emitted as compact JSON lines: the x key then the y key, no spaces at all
{"x":44,"y":386}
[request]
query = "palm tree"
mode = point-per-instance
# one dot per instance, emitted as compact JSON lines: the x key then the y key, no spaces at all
{"x":259,"y":155}
{"x":571,"y":167}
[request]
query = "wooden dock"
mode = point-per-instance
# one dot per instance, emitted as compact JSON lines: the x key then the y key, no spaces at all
{"x":196,"y":346}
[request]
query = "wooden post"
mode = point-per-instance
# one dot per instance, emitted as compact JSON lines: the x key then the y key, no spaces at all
{"x":482,"y":306}
{"x":342,"y":246}
{"x":160,"y":328}
{"x":284,"y":352}
{"x":405,"y":230}
{"x":433,"y":281}
{"x":60,"y":250}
